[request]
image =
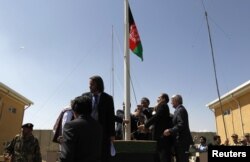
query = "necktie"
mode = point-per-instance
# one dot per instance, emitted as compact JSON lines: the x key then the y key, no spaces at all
{"x":94,"y":113}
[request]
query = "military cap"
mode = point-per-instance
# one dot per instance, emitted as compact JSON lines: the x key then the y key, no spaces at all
{"x":247,"y":135}
{"x":27,"y":125}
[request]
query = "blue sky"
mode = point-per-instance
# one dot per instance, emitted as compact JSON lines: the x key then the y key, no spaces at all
{"x":49,"y":49}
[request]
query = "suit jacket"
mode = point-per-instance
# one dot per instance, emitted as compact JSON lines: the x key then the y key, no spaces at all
{"x":82,"y":140}
{"x":106,"y":117}
{"x":181,"y":127}
{"x":148,"y":112}
{"x":161,"y":121}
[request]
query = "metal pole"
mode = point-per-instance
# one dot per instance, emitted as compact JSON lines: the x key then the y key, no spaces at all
{"x":113,"y":82}
{"x":215,"y":74}
{"x":126,"y":72}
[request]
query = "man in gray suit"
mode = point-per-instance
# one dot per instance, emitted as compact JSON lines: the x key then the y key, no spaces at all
{"x":82,"y":137}
{"x":180,"y":130}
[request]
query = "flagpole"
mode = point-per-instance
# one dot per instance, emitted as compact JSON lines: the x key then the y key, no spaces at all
{"x":126,"y":72}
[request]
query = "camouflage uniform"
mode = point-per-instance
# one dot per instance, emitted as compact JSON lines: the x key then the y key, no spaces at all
{"x":24,"y":149}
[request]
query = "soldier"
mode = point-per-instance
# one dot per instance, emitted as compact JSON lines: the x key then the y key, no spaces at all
{"x":24,"y":147}
{"x":235,"y":140}
{"x":247,"y":136}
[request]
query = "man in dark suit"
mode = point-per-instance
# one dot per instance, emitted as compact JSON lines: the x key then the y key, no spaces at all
{"x":161,"y":121}
{"x":146,"y":110}
{"x":82,"y":137}
{"x":103,"y":112}
{"x":180,"y":130}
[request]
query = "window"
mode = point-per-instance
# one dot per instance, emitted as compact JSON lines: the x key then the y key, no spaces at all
{"x":12,"y":110}
{"x":227,"y":112}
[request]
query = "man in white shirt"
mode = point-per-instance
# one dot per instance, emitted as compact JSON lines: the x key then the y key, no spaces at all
{"x":65,"y":116}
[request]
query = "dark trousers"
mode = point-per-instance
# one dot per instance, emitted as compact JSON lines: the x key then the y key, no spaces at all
{"x":106,"y":151}
{"x":164,"y":151}
{"x":181,"y":152}
{"x":165,"y":155}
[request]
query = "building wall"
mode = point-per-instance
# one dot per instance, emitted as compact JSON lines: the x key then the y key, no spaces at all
{"x":45,"y":141}
{"x":220,"y":125}
{"x":245,"y":109}
{"x":237,"y":121}
{"x":11,"y":117}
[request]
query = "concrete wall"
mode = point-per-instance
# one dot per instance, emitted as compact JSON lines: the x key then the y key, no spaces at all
{"x":48,"y":148}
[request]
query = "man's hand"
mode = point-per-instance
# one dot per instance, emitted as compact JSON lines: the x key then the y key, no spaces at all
{"x":125,"y":121}
{"x":166,"y":132}
{"x":141,"y":127}
{"x":139,"y":108}
{"x":6,"y":157}
{"x":60,"y":139}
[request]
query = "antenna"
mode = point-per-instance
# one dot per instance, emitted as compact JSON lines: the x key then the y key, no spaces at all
{"x":214,"y":66}
{"x":113,"y":82}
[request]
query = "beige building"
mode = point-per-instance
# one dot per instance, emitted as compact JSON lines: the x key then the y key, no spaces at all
{"x":12,"y":106}
{"x":232,"y":112}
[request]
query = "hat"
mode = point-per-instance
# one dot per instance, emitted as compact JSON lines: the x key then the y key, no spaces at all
{"x":234,"y":135}
{"x":27,"y":125}
{"x":247,"y":135}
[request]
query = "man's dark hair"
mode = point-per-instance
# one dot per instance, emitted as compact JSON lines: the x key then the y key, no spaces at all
{"x":99,"y":82}
{"x":145,"y":99}
{"x":82,"y":105}
{"x":204,"y":138}
{"x":216,"y":137}
{"x":165,"y":96}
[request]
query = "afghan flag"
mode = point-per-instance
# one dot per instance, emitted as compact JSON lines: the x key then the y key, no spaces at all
{"x":134,"y":38}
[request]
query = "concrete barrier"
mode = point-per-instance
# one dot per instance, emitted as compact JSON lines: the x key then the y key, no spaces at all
{"x":128,"y":151}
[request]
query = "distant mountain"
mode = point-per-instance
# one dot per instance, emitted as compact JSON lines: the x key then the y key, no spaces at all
{"x":209,"y":136}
